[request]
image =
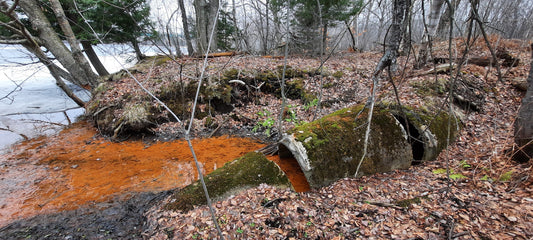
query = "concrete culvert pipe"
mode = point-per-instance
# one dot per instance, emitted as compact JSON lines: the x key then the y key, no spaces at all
{"x":330,"y":148}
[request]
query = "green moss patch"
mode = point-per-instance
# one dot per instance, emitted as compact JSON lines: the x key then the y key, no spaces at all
{"x":334,"y":145}
{"x":248,"y":171}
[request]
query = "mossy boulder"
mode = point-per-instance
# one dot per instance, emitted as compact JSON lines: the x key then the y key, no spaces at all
{"x":246,"y":172}
{"x":330,"y":148}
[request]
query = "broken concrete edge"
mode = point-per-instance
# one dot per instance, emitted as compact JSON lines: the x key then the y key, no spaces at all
{"x":437,"y":128}
{"x":243,"y":173}
{"x":298,"y":151}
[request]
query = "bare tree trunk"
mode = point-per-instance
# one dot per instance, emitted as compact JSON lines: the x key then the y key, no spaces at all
{"x":406,"y":28}
{"x":190,"y":49}
{"x":56,"y":72}
{"x":267,"y":25}
{"x":205,"y":21}
{"x":429,"y":32}
{"x":262,"y":31}
{"x":236,"y":34}
{"x":387,"y":61}
{"x":53,"y":43}
{"x":61,"y":84}
{"x":523,"y":125}
{"x":444,"y":22}
{"x":139,"y":55}
{"x":32,"y":44}
{"x":365,"y":33}
{"x":71,"y":38}
{"x":93,"y":58}
{"x":324,"y":39}
{"x":395,"y":37}
{"x":263,"y":35}
{"x":352,"y":36}
{"x":86,"y":44}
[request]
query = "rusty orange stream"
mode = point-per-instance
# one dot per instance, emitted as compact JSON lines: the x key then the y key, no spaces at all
{"x":78,"y":168}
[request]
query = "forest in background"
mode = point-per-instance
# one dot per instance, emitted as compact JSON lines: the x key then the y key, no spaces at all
{"x":319,"y":39}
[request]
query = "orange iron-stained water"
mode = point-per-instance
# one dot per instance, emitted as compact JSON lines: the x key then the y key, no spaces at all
{"x":293,"y":171}
{"x":78,"y":168}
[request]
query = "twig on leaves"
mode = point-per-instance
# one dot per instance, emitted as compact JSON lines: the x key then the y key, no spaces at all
{"x":383,"y":204}
{"x":217,"y":128}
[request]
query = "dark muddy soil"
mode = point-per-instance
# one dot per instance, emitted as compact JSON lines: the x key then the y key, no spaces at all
{"x":115,"y":219}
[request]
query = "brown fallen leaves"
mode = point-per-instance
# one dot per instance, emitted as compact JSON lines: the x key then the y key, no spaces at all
{"x":350,"y":209}
{"x":487,"y":197}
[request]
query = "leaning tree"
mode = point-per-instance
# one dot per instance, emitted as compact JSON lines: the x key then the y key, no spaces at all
{"x":41,"y":38}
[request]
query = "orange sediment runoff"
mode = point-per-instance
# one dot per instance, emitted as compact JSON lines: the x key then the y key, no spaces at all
{"x":293,"y":171}
{"x":77,"y":167}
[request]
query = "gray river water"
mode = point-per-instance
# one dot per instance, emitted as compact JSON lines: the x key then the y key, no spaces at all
{"x":31,"y":104}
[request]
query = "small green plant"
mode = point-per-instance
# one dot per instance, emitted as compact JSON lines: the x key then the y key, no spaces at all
{"x":291,"y":114}
{"x":267,"y":123}
{"x":328,"y":85}
{"x":453,"y":176}
{"x":252,"y":224}
{"x":457,"y":176}
{"x":441,"y":171}
{"x":506,"y":176}
{"x":239,"y":230}
{"x":309,"y":223}
{"x":464,"y":164}
{"x":361,"y":188}
{"x":311,"y":104}
{"x":486,"y":178}
{"x":264,"y":113}
{"x":223,"y":220}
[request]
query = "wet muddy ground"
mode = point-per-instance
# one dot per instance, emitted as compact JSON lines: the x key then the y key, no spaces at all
{"x":117,"y":218}
{"x":80,"y":185}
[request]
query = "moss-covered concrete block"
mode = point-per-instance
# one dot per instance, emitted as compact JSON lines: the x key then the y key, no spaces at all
{"x":246,"y":172}
{"x":331,"y":148}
